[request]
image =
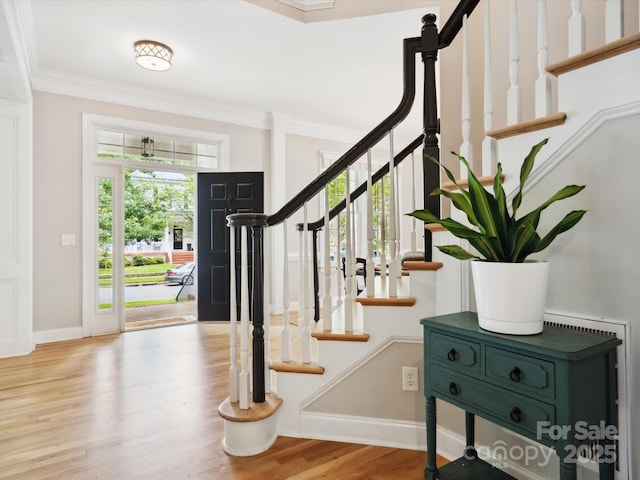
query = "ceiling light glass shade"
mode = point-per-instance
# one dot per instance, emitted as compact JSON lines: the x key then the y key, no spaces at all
{"x":153,"y":55}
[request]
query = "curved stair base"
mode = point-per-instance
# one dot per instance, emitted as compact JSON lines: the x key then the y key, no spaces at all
{"x":249,"y":432}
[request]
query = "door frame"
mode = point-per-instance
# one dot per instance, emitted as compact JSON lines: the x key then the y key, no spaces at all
{"x":95,"y":322}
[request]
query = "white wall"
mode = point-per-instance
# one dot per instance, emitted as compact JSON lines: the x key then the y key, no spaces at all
{"x":57,"y":200}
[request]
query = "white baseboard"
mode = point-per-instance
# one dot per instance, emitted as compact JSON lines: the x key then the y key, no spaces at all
{"x":396,"y":434}
{"x":57,"y":335}
{"x":363,"y":430}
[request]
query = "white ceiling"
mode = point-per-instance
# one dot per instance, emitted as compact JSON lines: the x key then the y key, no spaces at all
{"x":229,"y":56}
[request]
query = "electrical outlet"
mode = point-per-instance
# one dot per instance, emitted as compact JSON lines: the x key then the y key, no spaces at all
{"x":410,"y":381}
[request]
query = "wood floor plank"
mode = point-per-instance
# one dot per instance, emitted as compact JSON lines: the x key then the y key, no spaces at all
{"x":143,"y":405}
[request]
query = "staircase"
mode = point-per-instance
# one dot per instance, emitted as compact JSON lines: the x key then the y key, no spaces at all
{"x":339,"y":378}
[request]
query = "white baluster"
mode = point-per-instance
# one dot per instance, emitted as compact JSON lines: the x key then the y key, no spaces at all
{"x":244,"y":382}
{"x":393,"y":284}
{"x":513,"y":95}
{"x":488,"y":143}
{"x":398,"y":226}
{"x":233,"y":320}
{"x":266,"y":325}
{"x":349,"y":260}
{"x":300,"y":280}
{"x":543,"y":83}
{"x":326,"y":303}
{"x":371,"y":286}
{"x":613,"y":20}
{"x":383,"y":235}
{"x":576,"y":29}
{"x":413,"y":202}
{"x":286,"y":331}
{"x":341,"y":272}
{"x":354,"y":250}
{"x":306,"y":316}
{"x":466,"y":150}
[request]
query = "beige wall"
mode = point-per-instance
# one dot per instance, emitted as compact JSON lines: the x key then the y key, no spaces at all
{"x":58,"y":191}
{"x":374,"y":389}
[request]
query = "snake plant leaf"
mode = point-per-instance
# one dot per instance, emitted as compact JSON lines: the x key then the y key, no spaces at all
{"x":456,"y":252}
{"x":569,"y":221}
{"x":461,"y":202}
{"x":456,"y":228}
{"x":503,"y":219}
{"x":523,"y":242}
{"x":485,"y":208}
{"x":449,"y":174}
{"x":565,"y":192}
{"x":525,"y":171}
{"x":488,"y":247}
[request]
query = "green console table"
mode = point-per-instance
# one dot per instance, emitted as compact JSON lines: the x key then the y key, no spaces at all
{"x":557,"y":387}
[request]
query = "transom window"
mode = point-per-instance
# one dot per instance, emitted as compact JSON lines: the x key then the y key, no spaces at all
{"x":156,"y":149}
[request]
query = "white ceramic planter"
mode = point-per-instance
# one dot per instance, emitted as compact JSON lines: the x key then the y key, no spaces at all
{"x":510,"y":297}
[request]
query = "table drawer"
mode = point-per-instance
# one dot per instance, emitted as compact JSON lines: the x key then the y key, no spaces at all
{"x":521,"y":372}
{"x":456,"y":352}
{"x":508,"y":409}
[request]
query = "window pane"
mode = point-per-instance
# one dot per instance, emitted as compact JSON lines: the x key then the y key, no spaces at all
{"x":209,"y":162}
{"x":185,"y":147}
{"x":106,"y":151}
{"x":107,"y":137}
{"x":105,"y":244}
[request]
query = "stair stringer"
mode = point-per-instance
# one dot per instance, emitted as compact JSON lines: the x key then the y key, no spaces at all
{"x":384,"y":325}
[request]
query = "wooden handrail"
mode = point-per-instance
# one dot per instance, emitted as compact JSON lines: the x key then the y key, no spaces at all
{"x":410,"y":48}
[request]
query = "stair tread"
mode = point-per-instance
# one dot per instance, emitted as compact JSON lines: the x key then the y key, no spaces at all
{"x":341,"y":336}
{"x":528,"y":126}
{"x":256,"y":411}
{"x":413,"y":265}
{"x":294,"y":366}
{"x":382,"y":297}
{"x":608,"y":50}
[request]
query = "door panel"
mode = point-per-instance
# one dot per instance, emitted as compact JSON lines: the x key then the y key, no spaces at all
{"x":219,"y":195}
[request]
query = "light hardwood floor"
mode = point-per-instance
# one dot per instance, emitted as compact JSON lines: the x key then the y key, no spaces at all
{"x":143,"y":405}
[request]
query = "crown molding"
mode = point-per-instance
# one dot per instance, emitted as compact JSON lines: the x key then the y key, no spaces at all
{"x":90,"y":88}
{"x":97,"y":90}
{"x":309,"y":5}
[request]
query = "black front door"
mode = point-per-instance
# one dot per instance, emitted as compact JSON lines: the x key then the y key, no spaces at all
{"x":220,"y":194}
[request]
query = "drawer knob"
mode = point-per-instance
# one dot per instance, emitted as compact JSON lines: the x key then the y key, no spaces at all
{"x":453,"y":389}
{"x":515,"y":374}
{"x":452,"y":355}
{"x":516,"y":414}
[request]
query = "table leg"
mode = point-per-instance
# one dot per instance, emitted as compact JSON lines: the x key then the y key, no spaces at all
{"x":470,"y":449}
{"x":431,"y":472}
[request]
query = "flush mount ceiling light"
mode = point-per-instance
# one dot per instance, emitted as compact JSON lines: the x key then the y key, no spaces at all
{"x":153,"y":55}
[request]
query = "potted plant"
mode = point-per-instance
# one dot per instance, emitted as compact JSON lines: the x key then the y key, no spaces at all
{"x":510,"y":290}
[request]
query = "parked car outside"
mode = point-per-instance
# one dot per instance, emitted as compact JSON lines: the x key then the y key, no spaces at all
{"x":182,"y":274}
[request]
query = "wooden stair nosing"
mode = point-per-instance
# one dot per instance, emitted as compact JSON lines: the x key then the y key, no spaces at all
{"x":341,"y":337}
{"x":256,"y":411}
{"x":413,"y":265}
{"x":297,"y":367}
{"x":464,"y":183}
{"x":528,"y":126}
{"x":434,"y":227}
{"x":608,"y":50}
{"x":386,"y":301}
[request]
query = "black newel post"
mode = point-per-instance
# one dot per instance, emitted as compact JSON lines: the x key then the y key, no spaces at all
{"x":431,"y":172}
{"x":257,"y":314}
